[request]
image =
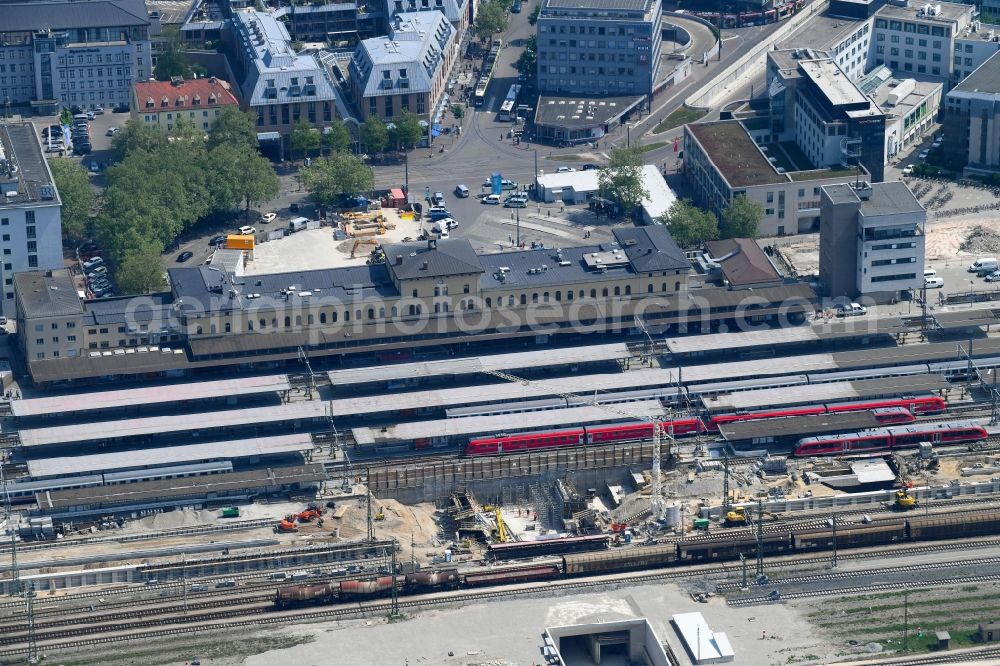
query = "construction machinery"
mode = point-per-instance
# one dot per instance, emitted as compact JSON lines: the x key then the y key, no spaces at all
{"x":904,"y":500}
{"x":502,"y":535}
{"x":288,"y":524}
{"x":380,"y":514}
{"x":737,"y":516}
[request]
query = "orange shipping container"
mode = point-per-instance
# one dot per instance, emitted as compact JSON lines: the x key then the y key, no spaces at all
{"x":238,"y":242}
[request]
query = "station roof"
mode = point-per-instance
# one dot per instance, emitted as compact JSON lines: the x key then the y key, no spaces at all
{"x":156,"y":425}
{"x":85,"y":402}
{"x":168,"y":455}
{"x":968,"y":318}
{"x":495,"y":393}
{"x":815,"y":332}
{"x":823,"y":393}
{"x":406,"y":432}
{"x":935,"y":351}
{"x":712,"y":372}
{"x":472,"y":365}
{"x":819,"y":424}
{"x":168,"y":489}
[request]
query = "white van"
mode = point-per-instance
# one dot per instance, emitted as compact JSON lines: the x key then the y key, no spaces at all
{"x":492,"y":199}
{"x":930,"y":272}
{"x":982,"y":264}
{"x":298,"y":224}
{"x":933,"y":282}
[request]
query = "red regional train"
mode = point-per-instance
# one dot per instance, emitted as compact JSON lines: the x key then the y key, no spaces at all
{"x":881,"y":439}
{"x":889,"y":411}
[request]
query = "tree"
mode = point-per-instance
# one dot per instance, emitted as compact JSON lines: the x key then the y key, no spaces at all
{"x":304,"y":137}
{"x":233,"y":127}
{"x":374,"y":134}
{"x":621,"y":179}
{"x":458,"y":110}
{"x":741,"y":218}
{"x":185,"y":130}
{"x":408,"y":130}
{"x":690,"y":225}
{"x":491,"y":19}
{"x":338,"y":138}
{"x":77,"y":197}
{"x":533,"y":16}
{"x":141,"y":271}
{"x":257,"y":181}
{"x":136,"y":136}
{"x":171,"y":61}
{"x":527,"y":63}
{"x":328,"y":180}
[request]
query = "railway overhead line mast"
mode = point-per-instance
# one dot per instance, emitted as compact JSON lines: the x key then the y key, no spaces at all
{"x":656,"y":503}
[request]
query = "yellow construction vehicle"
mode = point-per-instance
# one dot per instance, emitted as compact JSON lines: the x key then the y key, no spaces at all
{"x":501,"y":526}
{"x":904,"y":500}
{"x":737,"y":516}
{"x":380,"y":514}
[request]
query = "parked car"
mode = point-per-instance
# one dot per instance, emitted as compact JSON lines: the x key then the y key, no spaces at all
{"x":565,"y":169}
{"x":504,"y":184}
{"x":516,"y":7}
{"x":99,"y":111}
{"x":90,"y":115}
{"x":591,"y":167}
{"x":268,"y":217}
{"x":97,"y":270}
{"x":993,"y":277}
{"x":851,"y":310}
{"x":933,"y":282}
{"x":515,"y":203}
{"x":184,"y":256}
{"x":436,"y":213}
{"x":437,"y":199}
{"x":930,"y":272}
{"x":92,"y":263}
{"x":907,"y":170}
{"x":983,"y":262}
{"x":924,"y":153}
{"x":461,"y":191}
{"x":492,"y":200}
{"x":217,"y":240}
{"x":111,"y":131}
{"x":247,"y":230}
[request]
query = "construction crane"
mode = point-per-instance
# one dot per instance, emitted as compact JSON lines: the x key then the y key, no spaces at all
{"x":656,"y":499}
{"x":501,"y":525}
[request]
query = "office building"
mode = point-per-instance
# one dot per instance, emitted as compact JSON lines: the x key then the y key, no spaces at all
{"x":725,"y":159}
{"x":972,"y":120}
{"x":30,"y":219}
{"x":200,"y":101}
{"x":599,"y":48}
{"x":406,"y":70}
{"x":85,"y":53}
{"x":871,"y":241}
{"x":910,"y":107}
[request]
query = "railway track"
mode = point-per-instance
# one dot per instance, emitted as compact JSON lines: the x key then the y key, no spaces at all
{"x":985,"y":654}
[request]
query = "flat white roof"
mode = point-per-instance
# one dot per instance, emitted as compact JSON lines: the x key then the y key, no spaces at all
{"x":786,"y":395}
{"x":473,"y":425}
{"x":660,"y":196}
{"x":712,"y":372}
{"x":472,"y":365}
{"x":704,"y":646}
{"x":154,"y":425}
{"x":691,"y":344}
{"x":84,"y":402}
{"x":167,"y":455}
{"x":506,"y":392}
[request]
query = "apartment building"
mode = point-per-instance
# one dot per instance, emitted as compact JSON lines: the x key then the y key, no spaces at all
{"x":30,"y":209}
{"x":599,"y":48}
{"x":972,"y":120}
{"x":724,"y":160}
{"x":162,"y":103}
{"x":406,"y":70}
{"x":279,"y":85}
{"x":871,"y":241}
{"x":85,"y":53}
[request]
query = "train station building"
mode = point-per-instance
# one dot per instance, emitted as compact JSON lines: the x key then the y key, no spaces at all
{"x":422,"y":294}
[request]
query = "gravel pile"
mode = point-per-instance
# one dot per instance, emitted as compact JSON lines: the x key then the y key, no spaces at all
{"x":981,"y":240}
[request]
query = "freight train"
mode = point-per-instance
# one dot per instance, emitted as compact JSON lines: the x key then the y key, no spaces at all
{"x":679,"y":553}
{"x":886,"y":410}
{"x":884,"y":439}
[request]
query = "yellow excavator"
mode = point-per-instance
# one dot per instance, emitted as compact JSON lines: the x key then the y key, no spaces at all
{"x":737,"y":516}
{"x":904,"y":500}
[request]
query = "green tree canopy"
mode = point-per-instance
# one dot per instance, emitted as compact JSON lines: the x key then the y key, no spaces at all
{"x":408,"y":130}
{"x":304,"y":137}
{"x":621,"y":179}
{"x":741,"y":219}
{"x":141,"y":271}
{"x":527,"y":63}
{"x":535,"y":11}
{"x":233,"y":127}
{"x":172,"y":61}
{"x":338,"y":138}
{"x":77,"y":197}
{"x":690,"y":225}
{"x":326,"y":180}
{"x":374,"y":134}
{"x":136,"y":136}
{"x":491,"y":19}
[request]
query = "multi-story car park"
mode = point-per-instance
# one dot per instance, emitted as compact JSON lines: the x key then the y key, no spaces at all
{"x":86,"y":54}
{"x":30,"y":217}
{"x":438,"y":293}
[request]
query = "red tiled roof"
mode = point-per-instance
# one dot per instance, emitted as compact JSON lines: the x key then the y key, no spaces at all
{"x":189,"y":94}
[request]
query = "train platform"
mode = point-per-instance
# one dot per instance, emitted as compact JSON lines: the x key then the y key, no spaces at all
{"x":784,"y":430}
